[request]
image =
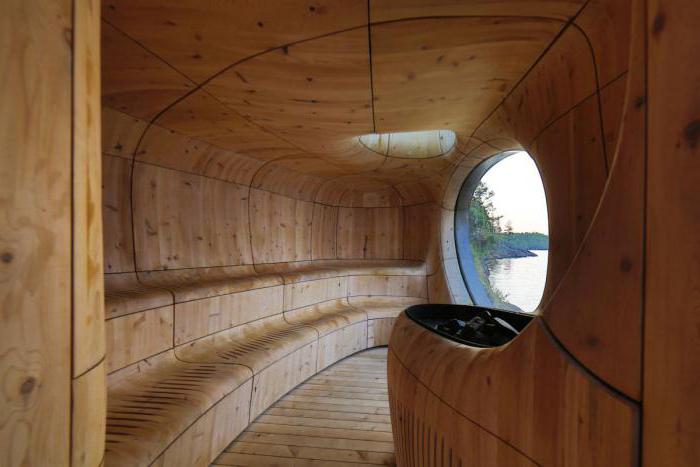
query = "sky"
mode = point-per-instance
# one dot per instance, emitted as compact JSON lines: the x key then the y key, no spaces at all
{"x":518,"y":193}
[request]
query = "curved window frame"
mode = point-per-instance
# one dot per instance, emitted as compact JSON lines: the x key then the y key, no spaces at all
{"x":470,"y":277}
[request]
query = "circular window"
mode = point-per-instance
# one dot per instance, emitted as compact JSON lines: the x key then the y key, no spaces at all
{"x":501,"y":233}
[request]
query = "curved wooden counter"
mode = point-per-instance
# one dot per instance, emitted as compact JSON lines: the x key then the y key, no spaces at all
{"x":525,"y":403}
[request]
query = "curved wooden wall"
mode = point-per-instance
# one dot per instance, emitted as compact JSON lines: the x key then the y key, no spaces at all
{"x":579,"y":111}
{"x":233,"y":180}
{"x":52,"y":346}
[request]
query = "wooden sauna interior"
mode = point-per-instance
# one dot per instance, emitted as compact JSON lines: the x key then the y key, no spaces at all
{"x":202,"y":209}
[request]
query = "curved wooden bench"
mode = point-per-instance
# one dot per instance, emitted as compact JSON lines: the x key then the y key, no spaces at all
{"x":204,"y":352}
{"x":152,"y":403}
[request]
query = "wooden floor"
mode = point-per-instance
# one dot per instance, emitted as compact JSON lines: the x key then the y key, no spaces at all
{"x":340,"y":417}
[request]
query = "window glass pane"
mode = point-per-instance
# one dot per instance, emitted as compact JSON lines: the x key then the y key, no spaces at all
{"x":502,"y":229}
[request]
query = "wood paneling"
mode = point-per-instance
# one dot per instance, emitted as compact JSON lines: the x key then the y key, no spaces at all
{"x":419,"y":226}
{"x":396,"y":286}
{"x":323,"y":235}
{"x":326,"y":86}
{"x":603,"y":287}
{"x":88,"y":283}
{"x":341,"y":343}
{"x":280,"y":227}
{"x":283,"y":375}
{"x":428,"y":431}
{"x":137,"y":336}
{"x":251,"y":198}
{"x":152,"y":402}
{"x":210,"y":39}
{"x":429,"y":73}
{"x":38,"y":265}
{"x":208,"y":436}
{"x":671,"y":363}
{"x":379,"y":331}
{"x":167,"y":148}
{"x":385,"y":10}
{"x":173,"y":227}
{"x":122,"y":76}
{"x":561,"y":416}
{"x":370,"y":233}
{"x":118,"y":243}
{"x":199,"y":318}
{"x":88,"y":415}
{"x":308,"y":292}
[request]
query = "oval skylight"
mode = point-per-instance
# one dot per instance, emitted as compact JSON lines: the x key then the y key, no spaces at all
{"x":411,"y":144}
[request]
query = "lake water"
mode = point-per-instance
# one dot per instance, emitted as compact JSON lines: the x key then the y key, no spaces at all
{"x":521,"y":279}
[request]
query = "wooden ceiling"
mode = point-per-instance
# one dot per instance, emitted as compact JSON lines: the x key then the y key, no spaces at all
{"x":295,"y":83}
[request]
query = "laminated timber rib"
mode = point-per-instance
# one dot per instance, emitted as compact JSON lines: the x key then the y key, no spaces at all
{"x":203,"y":207}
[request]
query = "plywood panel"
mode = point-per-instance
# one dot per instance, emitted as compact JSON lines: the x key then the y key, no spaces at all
{"x":429,"y":432}
{"x":202,"y":116}
{"x":124,"y":294}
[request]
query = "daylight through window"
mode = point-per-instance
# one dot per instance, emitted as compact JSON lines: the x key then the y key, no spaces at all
{"x":502,"y":234}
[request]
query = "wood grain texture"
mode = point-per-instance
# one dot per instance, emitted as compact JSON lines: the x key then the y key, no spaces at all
{"x":561,"y":417}
{"x":606,"y":273}
{"x":247,"y":229}
{"x":384,"y":10}
{"x":148,"y":410}
{"x":89,"y":419}
{"x":370,"y":233}
{"x":423,"y":64}
{"x":337,"y":418}
{"x":36,"y":270}
{"x":171,"y":225}
{"x":671,"y":416}
{"x":280,"y":228}
{"x":138,"y":336}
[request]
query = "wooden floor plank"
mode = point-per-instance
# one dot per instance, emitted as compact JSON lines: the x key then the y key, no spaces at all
{"x":324,"y":423}
{"x":338,"y":418}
